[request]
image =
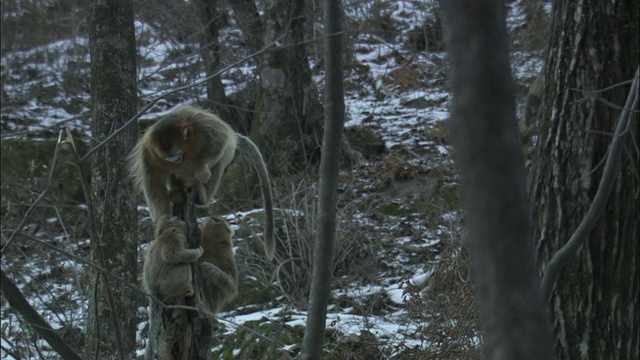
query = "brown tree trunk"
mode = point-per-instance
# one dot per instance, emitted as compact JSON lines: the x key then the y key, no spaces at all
{"x":593,"y":45}
{"x":211,"y":21}
{"x":289,"y":116}
{"x":113,"y":95}
{"x":287,"y":123}
{"x":249,"y":21}
{"x":484,"y":132}
{"x":183,"y":334}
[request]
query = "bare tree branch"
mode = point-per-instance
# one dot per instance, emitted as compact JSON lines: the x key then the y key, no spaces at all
{"x":97,"y":239}
{"x":18,"y":302}
{"x":566,"y":253}
{"x":52,"y":170}
{"x":173,"y":91}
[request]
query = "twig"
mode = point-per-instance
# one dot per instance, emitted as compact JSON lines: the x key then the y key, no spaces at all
{"x":94,"y":266}
{"x":18,"y":302}
{"x":42,"y":194}
{"x":563,"y":256}
{"x":137,"y":288}
{"x":178,"y":89}
{"x":96,"y":239}
{"x":611,"y":87}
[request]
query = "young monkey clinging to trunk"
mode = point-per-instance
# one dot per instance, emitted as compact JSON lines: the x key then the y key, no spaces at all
{"x":167,"y":274}
{"x":217,"y":264}
{"x":191,"y":146}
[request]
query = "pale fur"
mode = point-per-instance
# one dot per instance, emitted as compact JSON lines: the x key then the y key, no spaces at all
{"x":209,"y":145}
{"x":217,"y":264}
{"x":167,"y":271}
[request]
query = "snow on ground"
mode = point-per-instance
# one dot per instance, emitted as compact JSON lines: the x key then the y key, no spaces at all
{"x":405,"y":117}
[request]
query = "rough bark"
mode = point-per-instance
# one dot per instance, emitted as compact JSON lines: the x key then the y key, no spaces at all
{"x":211,"y":22}
{"x":113,"y":95}
{"x":20,"y":304}
{"x":287,"y":122}
{"x":249,"y":21}
{"x":288,"y":107}
{"x":593,"y":46}
{"x":485,"y":135}
{"x":329,"y":166}
{"x":184,"y":334}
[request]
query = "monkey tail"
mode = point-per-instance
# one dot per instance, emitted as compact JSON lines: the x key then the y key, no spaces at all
{"x":135,"y":164}
{"x":250,"y":150}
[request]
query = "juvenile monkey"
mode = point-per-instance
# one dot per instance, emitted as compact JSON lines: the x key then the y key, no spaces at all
{"x":217,"y":264}
{"x":191,"y":146}
{"x":167,"y":272}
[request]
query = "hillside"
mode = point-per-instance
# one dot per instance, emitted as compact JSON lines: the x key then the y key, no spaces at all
{"x":402,"y":289}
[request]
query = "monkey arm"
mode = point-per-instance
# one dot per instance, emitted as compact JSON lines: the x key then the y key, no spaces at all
{"x":177,"y":254}
{"x":214,"y":181}
{"x":203,"y":174}
{"x":156,"y":194}
{"x":220,"y":162}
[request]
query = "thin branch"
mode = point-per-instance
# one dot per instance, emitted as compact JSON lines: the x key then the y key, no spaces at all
{"x":138,"y":289}
{"x":19,"y":303}
{"x":9,"y":352}
{"x":42,"y":194}
{"x":176,"y":90}
{"x":92,"y":265}
{"x":610,"y":87}
{"x":97,"y":239}
{"x":563,"y":256}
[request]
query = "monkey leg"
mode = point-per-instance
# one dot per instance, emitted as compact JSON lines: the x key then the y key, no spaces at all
{"x":218,"y":286}
{"x":215,"y":276}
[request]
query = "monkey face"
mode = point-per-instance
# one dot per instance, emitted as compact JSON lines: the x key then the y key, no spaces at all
{"x":171,"y":140}
{"x":170,"y":225}
{"x":218,"y":225}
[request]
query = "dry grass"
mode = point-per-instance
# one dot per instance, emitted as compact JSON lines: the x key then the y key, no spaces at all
{"x":450,"y":310}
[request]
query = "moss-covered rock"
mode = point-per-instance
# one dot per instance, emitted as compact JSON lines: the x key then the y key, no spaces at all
{"x":366,"y":140}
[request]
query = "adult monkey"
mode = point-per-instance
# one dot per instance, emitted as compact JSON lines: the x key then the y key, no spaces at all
{"x":193,"y":147}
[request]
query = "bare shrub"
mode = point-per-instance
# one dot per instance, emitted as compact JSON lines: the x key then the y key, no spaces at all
{"x":449,"y":310}
{"x":354,"y":254}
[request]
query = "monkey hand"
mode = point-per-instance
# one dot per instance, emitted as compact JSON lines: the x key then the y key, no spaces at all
{"x":200,"y":250}
{"x":203,"y":175}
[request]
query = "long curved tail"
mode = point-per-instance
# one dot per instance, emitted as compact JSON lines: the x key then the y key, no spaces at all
{"x":253,"y":153}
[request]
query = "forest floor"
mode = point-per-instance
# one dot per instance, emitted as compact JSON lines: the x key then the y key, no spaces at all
{"x":402,"y":289}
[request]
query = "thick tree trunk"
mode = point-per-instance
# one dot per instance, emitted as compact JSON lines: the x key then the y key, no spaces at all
{"x":217,"y":100}
{"x":593,"y":45}
{"x":288,"y":121}
{"x":113,"y":95}
{"x":484,"y":132}
{"x":249,"y":21}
